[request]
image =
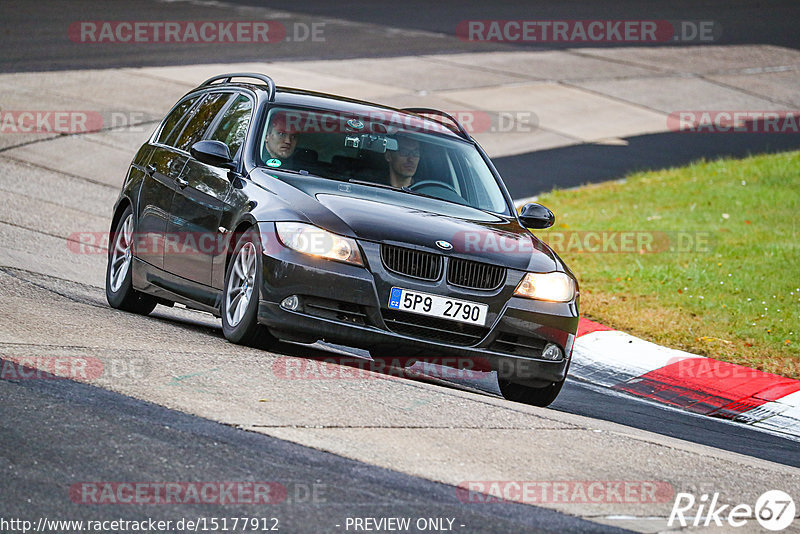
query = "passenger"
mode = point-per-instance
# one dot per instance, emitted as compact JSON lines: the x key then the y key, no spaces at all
{"x":403,"y":162}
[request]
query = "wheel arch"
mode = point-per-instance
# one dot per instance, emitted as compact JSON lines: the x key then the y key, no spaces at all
{"x":122,"y":204}
{"x":243,"y":226}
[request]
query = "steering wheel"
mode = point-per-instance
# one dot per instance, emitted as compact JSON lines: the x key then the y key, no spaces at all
{"x":434,"y":184}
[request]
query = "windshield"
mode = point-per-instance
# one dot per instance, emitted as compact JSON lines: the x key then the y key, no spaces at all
{"x":398,"y":151}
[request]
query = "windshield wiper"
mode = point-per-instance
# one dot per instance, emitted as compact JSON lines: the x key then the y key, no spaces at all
{"x":382,"y":186}
{"x":405,"y":189}
{"x":301,"y":171}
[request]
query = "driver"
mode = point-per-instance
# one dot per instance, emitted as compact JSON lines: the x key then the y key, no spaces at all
{"x":403,"y":162}
{"x":280,"y":143}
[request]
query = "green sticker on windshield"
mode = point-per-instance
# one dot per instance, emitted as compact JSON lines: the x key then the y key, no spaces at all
{"x":273,"y":162}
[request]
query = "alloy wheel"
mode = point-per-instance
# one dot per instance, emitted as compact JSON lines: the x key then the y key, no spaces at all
{"x":122,"y":253}
{"x":240,"y":284}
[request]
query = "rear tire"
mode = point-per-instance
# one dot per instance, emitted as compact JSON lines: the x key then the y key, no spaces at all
{"x":120,"y":293}
{"x":239,"y":309}
{"x":529,"y":395}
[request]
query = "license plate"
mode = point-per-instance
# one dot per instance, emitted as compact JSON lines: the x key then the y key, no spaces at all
{"x":437,"y":306}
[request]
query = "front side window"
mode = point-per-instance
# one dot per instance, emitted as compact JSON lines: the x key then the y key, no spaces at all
{"x":232,"y":127}
{"x":202,"y":116}
{"x":395,"y":150}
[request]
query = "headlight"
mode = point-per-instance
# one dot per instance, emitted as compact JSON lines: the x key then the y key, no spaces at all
{"x":556,"y":287}
{"x":314,"y":241}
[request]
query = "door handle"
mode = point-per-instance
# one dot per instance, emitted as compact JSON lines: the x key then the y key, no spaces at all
{"x":150,"y":170}
{"x":181,"y":182}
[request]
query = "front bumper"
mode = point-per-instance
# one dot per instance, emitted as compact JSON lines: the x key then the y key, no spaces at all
{"x":347,"y":304}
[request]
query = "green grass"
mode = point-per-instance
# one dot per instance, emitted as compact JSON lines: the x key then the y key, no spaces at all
{"x":736,"y":299}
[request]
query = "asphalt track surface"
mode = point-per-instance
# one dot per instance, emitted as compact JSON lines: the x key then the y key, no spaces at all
{"x":538,"y":172}
{"x":742,"y":22}
{"x":75,"y":432}
{"x":34,"y":32}
{"x":577,"y":397}
{"x":96,"y":435}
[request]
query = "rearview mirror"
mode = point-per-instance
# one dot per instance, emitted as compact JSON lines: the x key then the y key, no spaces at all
{"x":536,"y":216}
{"x":374,"y":143}
{"x":213,"y":153}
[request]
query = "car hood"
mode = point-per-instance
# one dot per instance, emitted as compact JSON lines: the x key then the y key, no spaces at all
{"x":403,"y":219}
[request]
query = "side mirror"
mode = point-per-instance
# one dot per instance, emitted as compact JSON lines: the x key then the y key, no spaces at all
{"x":214,"y":153}
{"x":536,"y":216}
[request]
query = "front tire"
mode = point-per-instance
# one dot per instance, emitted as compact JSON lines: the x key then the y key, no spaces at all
{"x":240,"y":298}
{"x":120,"y":293}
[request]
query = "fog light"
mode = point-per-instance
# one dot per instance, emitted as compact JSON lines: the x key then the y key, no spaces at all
{"x":290,"y":303}
{"x":552,"y":352}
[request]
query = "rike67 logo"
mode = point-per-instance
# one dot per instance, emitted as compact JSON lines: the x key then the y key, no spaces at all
{"x":774,"y":510}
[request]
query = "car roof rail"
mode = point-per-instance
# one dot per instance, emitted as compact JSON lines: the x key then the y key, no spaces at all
{"x":436,"y":112}
{"x":227,"y":78}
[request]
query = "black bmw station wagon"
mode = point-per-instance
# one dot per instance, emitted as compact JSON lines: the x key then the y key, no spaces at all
{"x":304,"y":216}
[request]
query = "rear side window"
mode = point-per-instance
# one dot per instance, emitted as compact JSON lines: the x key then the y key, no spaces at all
{"x":233,"y":125}
{"x":201,"y":118}
{"x":174,"y":118}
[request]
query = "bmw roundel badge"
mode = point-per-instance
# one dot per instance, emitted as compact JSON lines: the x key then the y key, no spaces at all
{"x":355,"y":124}
{"x":444,"y":245}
